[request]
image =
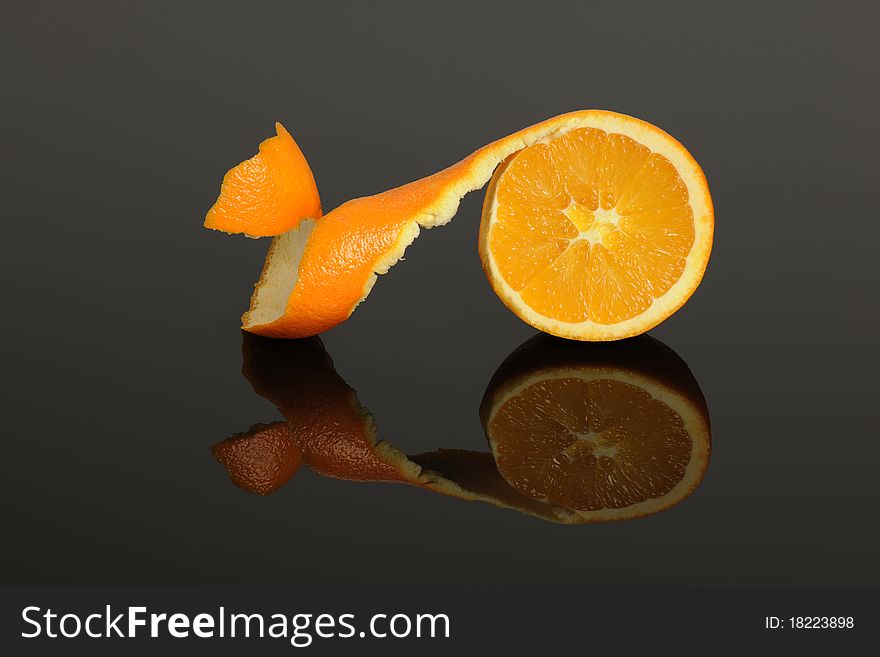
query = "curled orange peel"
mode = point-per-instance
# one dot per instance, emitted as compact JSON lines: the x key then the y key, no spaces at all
{"x":268,"y":194}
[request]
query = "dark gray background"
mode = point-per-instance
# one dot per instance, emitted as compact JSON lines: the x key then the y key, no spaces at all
{"x":121,"y":348}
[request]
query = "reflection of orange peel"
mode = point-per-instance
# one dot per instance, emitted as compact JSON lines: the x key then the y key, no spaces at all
{"x":472,"y":476}
{"x":337,"y":437}
{"x":317,"y":272}
{"x":262,"y":459}
{"x":335,"y":434}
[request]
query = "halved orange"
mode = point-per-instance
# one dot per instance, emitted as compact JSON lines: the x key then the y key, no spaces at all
{"x":599,"y":233}
{"x":611,"y":432}
{"x":602,"y":240}
{"x":268,"y":194}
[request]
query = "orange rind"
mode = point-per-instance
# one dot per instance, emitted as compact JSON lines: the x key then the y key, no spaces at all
{"x":268,"y":194}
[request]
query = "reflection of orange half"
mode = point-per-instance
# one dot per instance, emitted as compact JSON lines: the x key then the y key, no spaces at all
{"x":608,"y":436}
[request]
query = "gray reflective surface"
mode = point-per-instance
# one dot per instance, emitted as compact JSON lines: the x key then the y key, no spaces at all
{"x":121,"y":347}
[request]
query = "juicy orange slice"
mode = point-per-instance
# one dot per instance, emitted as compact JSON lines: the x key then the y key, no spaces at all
{"x":596,"y":432}
{"x":597,"y":234}
{"x":598,"y":228}
{"x":268,"y":194}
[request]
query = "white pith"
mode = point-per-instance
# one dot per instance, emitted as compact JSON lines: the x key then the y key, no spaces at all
{"x":282,"y":265}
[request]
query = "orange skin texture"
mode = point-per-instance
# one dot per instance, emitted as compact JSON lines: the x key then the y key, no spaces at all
{"x":334,"y":433}
{"x":261,"y":460}
{"x":343,"y":251}
{"x":268,"y":194}
{"x":353,"y":241}
{"x":347,"y":243}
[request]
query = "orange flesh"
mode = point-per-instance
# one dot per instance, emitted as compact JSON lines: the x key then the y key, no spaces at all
{"x":591,"y":226}
{"x":590,"y":445}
